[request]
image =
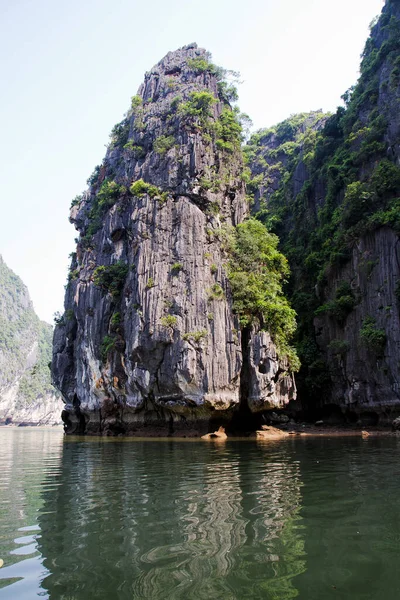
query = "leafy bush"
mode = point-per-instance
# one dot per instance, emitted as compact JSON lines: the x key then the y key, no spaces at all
{"x":216,"y":292}
{"x":339,"y":347}
{"x":176,"y":268}
{"x":150,"y":283}
{"x":196,"y":336}
{"x":257,"y":271}
{"x":199,"y":65}
{"x":140,"y":188}
{"x":136,"y":102}
{"x":372,"y":337}
{"x":385,"y":179}
{"x":169,"y":321}
{"x":137,"y":150}
{"x":163,"y":143}
{"x":119,"y":133}
{"x":228,"y":131}
{"x":107,"y":345}
{"x":342,"y":306}
{"x":77,"y":200}
{"x":111,"y":278}
{"x":175,"y":102}
{"x":94,"y":176}
{"x":198,"y":106}
{"x":115,"y":320}
{"x":109,"y":193}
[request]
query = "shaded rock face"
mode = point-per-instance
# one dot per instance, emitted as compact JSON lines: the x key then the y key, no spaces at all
{"x":330,"y":187}
{"x":365,"y":369}
{"x":26,"y":394}
{"x":159,"y":349}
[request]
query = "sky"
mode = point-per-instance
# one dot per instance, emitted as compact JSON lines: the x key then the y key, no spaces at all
{"x":69,"y":69}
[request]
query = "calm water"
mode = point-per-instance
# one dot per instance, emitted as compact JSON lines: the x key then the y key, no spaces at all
{"x":310,"y":518}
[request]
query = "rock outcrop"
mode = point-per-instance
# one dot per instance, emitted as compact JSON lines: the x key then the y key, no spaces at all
{"x":26,"y":394}
{"x":149,"y":341}
{"x":333,"y":201}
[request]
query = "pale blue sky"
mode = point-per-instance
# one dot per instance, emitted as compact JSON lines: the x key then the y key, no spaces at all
{"x":68,"y":70}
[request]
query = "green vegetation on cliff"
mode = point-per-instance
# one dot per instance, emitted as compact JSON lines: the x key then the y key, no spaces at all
{"x":25,"y":341}
{"x":257,"y":271}
{"x":322,"y":182}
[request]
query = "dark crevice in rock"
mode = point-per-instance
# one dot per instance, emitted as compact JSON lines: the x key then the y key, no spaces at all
{"x":81,"y":425}
{"x":244,"y":420}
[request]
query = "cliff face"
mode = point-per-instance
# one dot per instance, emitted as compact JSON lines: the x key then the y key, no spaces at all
{"x":335,"y":207}
{"x":149,"y":337}
{"x":26,"y":393}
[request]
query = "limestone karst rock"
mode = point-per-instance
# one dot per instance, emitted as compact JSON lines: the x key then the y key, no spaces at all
{"x":330,"y":187}
{"x":26,"y":394}
{"x":149,"y":341}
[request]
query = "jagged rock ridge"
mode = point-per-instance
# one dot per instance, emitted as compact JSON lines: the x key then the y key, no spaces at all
{"x":149,"y":338}
{"x":26,"y":393}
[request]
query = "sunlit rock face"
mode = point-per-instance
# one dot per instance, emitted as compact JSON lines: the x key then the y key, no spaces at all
{"x":158,"y":349}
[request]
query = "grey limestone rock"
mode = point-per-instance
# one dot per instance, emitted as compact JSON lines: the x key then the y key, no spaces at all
{"x":163,"y":353}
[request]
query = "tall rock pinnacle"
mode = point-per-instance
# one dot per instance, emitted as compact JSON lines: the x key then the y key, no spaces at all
{"x":149,"y":337}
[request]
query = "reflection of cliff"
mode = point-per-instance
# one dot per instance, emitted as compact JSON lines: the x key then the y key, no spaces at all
{"x":172,"y":520}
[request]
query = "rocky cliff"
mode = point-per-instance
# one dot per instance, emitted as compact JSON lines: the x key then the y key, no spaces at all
{"x":166,"y":324}
{"x":335,"y":205}
{"x":26,"y":393}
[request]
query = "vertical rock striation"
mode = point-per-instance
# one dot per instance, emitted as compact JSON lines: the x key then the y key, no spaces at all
{"x":149,"y":341}
{"x":335,"y":206}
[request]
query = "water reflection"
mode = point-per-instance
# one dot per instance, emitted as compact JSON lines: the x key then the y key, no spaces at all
{"x":172,"y":520}
{"x":30,"y":463}
{"x":351,"y":518}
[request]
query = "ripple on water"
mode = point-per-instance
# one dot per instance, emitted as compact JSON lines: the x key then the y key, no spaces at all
{"x":144,"y":519}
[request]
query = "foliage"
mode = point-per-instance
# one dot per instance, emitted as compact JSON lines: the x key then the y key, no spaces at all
{"x":107,"y":196}
{"x":339,"y":347}
{"x":94,"y":176}
{"x":199,"y":65}
{"x":198,"y":107}
{"x":228,"y":131}
{"x":373,"y":338}
{"x":150,"y":283}
{"x":136,"y":102}
{"x":115,"y":320}
{"x":140,"y":188}
{"x":137,"y":150}
{"x":119,"y":133}
{"x":107,"y":346}
{"x":111,"y":278}
{"x":77,"y":200}
{"x":176,"y":268}
{"x":163,"y":143}
{"x":20,"y":329}
{"x":35,"y":383}
{"x":169,"y":321}
{"x":341,"y":306}
{"x":216,"y":292}
{"x":109,"y":193}
{"x":196,"y":336}
{"x":175,"y":102}
{"x":257,"y":271}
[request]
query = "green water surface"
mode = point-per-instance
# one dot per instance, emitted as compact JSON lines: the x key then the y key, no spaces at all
{"x":312,"y":518}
